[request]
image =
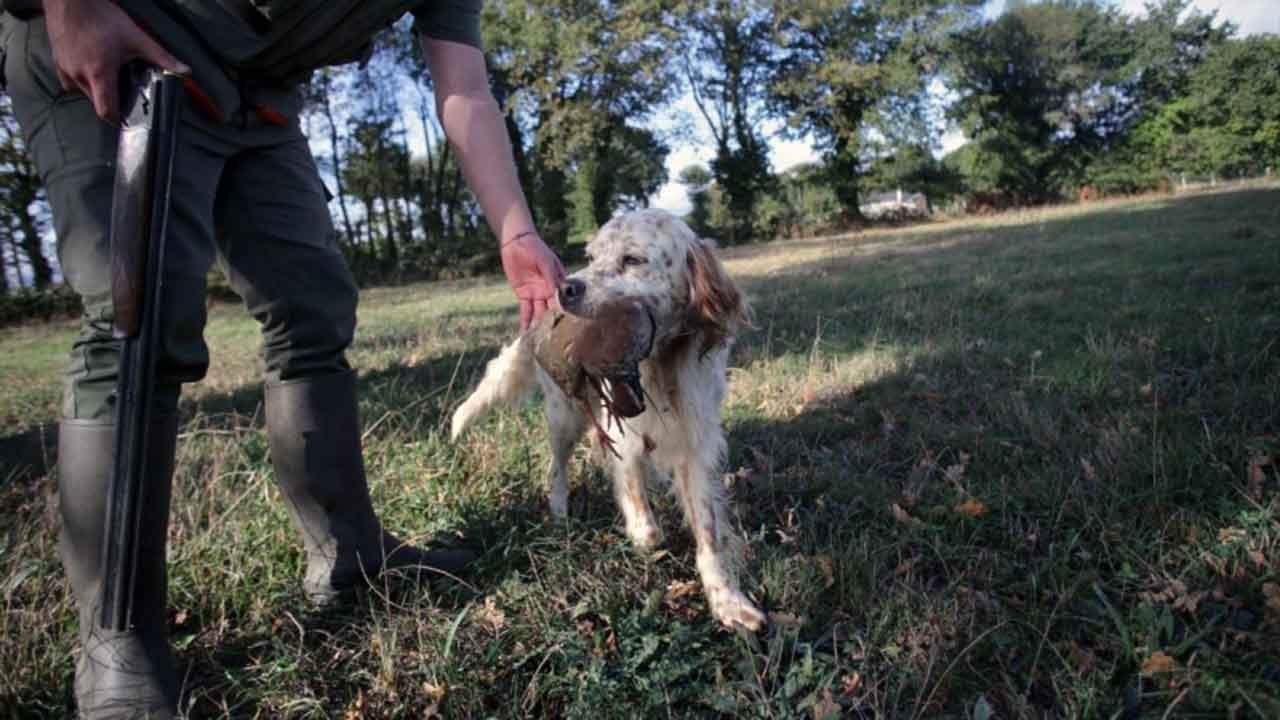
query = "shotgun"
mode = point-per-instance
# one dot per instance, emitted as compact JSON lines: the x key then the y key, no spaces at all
{"x":139,"y":224}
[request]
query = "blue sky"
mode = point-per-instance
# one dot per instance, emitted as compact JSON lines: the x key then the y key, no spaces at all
{"x":1252,"y":16}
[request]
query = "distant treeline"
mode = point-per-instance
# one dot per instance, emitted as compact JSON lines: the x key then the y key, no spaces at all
{"x":1059,"y":99}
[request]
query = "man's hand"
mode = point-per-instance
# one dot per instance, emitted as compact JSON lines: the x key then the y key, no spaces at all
{"x":91,"y":41}
{"x":534,"y":272}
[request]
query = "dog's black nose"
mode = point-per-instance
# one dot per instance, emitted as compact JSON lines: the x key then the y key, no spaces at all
{"x":571,"y":294}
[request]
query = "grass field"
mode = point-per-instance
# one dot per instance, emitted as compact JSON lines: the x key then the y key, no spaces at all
{"x":1025,"y":466}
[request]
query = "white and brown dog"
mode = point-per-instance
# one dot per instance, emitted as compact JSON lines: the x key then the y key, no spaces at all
{"x":654,"y":258}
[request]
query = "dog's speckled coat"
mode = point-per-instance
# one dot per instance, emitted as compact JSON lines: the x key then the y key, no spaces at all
{"x":653,"y":257}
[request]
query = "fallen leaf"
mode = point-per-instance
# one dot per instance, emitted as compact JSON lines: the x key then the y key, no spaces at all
{"x":1257,"y":478}
{"x":435,"y":694}
{"x":851,"y":684}
{"x":972,"y":508}
{"x":1158,"y":663}
{"x":904,"y":517}
{"x":1271,"y":591}
{"x":905,"y":566}
{"x":491,"y":615}
{"x":1189,"y":602}
{"x":355,"y":711}
{"x":1082,"y":658}
{"x":1090,"y":473}
{"x":679,"y":589}
{"x":826,"y":707}
{"x":1231,"y":534}
{"x":828,"y":569}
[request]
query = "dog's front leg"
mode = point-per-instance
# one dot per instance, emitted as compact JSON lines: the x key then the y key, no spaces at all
{"x":629,"y":474}
{"x":702,"y":499}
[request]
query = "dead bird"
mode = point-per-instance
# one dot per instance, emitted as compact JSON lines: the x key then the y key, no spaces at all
{"x":601,"y":353}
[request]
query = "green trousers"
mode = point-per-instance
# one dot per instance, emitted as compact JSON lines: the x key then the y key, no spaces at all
{"x":247,"y":194}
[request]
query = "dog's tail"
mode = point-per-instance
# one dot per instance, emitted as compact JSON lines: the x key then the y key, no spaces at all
{"x":508,"y":378}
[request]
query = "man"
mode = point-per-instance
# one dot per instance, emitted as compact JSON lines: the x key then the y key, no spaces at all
{"x":245,"y":187}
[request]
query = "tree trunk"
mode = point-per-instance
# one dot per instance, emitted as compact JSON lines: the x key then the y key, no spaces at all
{"x":4,"y":266}
{"x":15,"y":254}
{"x":337,"y":167}
{"x":843,"y":174}
{"x":33,"y":248}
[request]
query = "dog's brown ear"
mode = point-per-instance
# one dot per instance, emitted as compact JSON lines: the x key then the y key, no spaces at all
{"x":717,"y":307}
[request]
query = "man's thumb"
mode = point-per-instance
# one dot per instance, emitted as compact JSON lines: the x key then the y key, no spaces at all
{"x":158,"y":56}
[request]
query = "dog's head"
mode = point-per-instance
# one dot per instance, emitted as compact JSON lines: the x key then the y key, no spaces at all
{"x":653,"y":257}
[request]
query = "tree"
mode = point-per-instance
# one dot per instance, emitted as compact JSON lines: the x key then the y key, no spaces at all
{"x":696,"y":180}
{"x":319,"y":95}
{"x":727,"y":67}
{"x":1042,"y":88}
{"x":1228,"y":122}
{"x":585,"y":73}
{"x":22,"y":202}
{"x":1173,"y":38}
{"x":373,"y":169}
{"x":840,"y":63}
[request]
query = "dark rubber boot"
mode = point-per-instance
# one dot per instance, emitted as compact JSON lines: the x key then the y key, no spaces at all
{"x":120,"y":674}
{"x":313,"y":427}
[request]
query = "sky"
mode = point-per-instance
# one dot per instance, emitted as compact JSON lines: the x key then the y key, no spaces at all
{"x":1252,"y":16}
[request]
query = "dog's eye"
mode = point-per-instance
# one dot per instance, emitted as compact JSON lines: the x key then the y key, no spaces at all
{"x":630,"y":260}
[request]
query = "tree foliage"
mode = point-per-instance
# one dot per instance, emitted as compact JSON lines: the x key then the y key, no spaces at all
{"x":1042,"y":87}
{"x":1053,"y":95}
{"x":840,"y":63}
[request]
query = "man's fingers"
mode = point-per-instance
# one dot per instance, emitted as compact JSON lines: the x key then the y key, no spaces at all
{"x":526,"y":314}
{"x":152,"y":52}
{"x":68,"y":83}
{"x":104,"y":91}
{"x":539,"y":308}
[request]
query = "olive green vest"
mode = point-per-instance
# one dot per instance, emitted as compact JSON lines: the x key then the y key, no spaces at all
{"x":231,"y":59}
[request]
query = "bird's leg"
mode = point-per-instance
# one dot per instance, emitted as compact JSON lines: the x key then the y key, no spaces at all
{"x":611,"y":416}
{"x":601,"y":434}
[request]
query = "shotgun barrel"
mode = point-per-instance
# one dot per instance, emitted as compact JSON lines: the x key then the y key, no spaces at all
{"x":139,"y":225}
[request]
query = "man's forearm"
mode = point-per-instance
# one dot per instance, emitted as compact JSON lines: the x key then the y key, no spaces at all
{"x":475,"y":128}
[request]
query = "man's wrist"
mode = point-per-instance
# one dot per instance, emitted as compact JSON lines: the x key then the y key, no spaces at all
{"x":518,"y":236}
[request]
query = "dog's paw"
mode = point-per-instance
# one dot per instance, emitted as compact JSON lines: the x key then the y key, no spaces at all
{"x":732,"y":608}
{"x":644,"y":534}
{"x":458,"y":424}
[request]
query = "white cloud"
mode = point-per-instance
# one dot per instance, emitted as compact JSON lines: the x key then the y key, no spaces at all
{"x":1251,"y":16}
{"x":672,"y":196}
{"x":951,"y":140}
{"x":786,"y":154}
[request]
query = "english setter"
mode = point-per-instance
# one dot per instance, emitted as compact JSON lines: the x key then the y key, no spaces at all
{"x":654,"y":258}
